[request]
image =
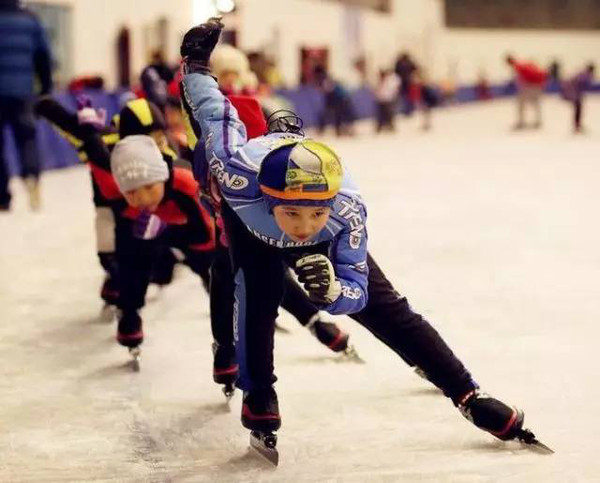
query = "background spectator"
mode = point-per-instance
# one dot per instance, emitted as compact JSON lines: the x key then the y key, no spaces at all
{"x":24,"y":53}
{"x":531,"y":80}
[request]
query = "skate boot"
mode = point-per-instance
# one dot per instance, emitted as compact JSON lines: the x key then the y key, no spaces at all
{"x":260,"y":411}
{"x":225,"y":368}
{"x":498,"y":419}
{"x":331,"y":336}
{"x":110,"y":294}
{"x":130,"y":335}
{"x":328,"y":333}
{"x":260,"y":414}
{"x":129,"y":331}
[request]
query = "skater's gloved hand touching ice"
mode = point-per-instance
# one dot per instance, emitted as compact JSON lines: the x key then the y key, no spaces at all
{"x":317,"y":275}
{"x":198,"y":44}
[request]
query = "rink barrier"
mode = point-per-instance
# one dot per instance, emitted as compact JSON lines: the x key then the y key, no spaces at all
{"x":308,"y":102}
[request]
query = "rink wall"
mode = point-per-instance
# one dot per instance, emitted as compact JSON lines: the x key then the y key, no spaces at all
{"x":308,"y":102}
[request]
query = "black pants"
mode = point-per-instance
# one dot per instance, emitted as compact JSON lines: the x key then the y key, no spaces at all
{"x":18,"y":114}
{"x":136,"y":259}
{"x":259,"y":275}
{"x":222,"y":289}
{"x":385,"y":115}
{"x":577,"y":113}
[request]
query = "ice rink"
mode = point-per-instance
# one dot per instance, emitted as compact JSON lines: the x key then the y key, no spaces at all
{"x":491,"y":234}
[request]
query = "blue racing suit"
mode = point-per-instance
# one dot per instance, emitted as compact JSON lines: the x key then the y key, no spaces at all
{"x":235,"y":163}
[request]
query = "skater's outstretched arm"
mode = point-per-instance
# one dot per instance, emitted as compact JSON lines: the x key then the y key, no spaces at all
{"x":86,"y":139}
{"x":216,"y":122}
{"x":83,"y":137}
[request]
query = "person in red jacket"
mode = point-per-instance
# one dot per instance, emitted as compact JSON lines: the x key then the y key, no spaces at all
{"x":531,"y":81}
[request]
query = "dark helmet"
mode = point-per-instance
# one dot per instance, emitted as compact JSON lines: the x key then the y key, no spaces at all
{"x":140,"y":116}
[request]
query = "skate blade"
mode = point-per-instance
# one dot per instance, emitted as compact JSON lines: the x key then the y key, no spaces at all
{"x":257,"y":443}
{"x":351,"y":355}
{"x":136,"y":354}
{"x":538,"y":447}
{"x":280,"y":329}
{"x":229,"y":392}
{"x":527,"y":438}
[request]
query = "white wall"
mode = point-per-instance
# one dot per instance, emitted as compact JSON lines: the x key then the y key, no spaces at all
{"x":96,"y":24}
{"x":284,"y":26}
{"x":471,"y":51}
{"x":311,"y":23}
{"x":414,"y":25}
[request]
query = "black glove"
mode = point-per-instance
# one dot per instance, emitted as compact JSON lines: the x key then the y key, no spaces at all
{"x":198,"y":43}
{"x":317,"y":275}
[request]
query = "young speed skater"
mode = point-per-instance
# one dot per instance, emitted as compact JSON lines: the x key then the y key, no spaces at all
{"x":233,"y":65}
{"x":155,"y":204}
{"x":137,"y":117}
{"x":288,"y":203}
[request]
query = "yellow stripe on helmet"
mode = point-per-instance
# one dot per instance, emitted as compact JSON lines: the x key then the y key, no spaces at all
{"x":141,"y":109}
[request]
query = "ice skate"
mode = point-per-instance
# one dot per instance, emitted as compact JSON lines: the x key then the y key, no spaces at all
{"x":265,"y":444}
{"x":130,"y":335}
{"x":260,"y":414}
{"x":110,"y":295}
{"x":281,"y":329}
{"x":495,"y":417}
{"x":225,"y":368}
{"x":135,"y":353}
{"x":335,"y":339}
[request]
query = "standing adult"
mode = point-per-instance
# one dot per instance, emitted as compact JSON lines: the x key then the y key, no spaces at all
{"x":531,"y":81}
{"x":574,"y":90}
{"x":405,"y":69}
{"x":24,"y":54}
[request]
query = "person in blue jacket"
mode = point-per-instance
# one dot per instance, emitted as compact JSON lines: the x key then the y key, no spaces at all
{"x":289,"y":203}
{"x":24,"y":55}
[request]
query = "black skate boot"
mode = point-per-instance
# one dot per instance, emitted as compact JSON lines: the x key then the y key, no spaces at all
{"x":129,"y":331}
{"x":328,"y":334}
{"x":495,"y":417}
{"x":260,"y":411}
{"x":109,"y":292}
{"x":225,"y":368}
{"x":492,"y":415}
{"x":331,"y":336}
{"x":260,"y":414}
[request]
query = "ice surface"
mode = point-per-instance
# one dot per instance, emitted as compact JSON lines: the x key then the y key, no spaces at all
{"x":492,"y":235}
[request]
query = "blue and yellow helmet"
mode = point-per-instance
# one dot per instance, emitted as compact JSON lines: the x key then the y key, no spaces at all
{"x":305,"y":173}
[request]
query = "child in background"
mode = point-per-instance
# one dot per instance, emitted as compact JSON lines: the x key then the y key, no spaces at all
{"x":386,"y":95}
{"x":574,"y":91}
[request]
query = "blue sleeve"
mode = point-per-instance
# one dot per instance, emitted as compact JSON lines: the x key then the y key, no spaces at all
{"x":42,"y":58}
{"x":349,"y":259}
{"x":217,"y":124}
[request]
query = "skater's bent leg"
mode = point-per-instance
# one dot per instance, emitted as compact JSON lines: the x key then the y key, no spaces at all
{"x":134,"y":258}
{"x":221,"y":298}
{"x":259,"y":275}
{"x":578,"y":108}
{"x":391,"y":319}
